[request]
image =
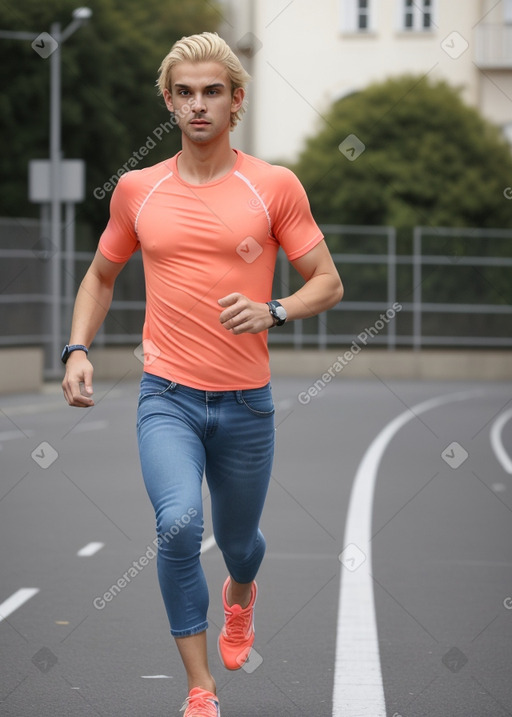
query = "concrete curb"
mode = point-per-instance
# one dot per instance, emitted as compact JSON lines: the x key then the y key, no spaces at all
{"x":21,"y":369}
{"x":400,"y":364}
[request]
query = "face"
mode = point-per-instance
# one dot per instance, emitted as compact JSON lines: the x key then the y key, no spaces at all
{"x":201,"y":99}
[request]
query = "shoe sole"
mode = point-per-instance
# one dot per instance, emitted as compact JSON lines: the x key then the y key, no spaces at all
{"x":232,"y":669}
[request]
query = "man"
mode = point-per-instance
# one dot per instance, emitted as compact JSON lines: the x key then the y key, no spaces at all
{"x":209,"y":223}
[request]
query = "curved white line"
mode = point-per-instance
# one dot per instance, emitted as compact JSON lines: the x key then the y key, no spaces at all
{"x":358,"y":688}
{"x":208,"y":543}
{"x":153,"y":189}
{"x":497,"y":441}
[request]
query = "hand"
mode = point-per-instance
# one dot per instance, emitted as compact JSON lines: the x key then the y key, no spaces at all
{"x":243,"y":316}
{"x":77,"y":383}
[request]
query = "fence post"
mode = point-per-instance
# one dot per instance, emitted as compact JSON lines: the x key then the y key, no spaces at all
{"x":391,"y":284}
{"x":417,"y":294}
{"x":69,"y":266}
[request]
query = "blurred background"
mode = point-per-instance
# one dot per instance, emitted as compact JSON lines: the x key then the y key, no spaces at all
{"x":395,"y":114}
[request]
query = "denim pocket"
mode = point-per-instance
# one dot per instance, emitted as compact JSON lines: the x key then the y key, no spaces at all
{"x":151,"y":386}
{"x":258,"y":401}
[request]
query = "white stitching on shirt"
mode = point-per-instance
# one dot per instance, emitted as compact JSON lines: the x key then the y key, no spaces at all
{"x":146,"y":199}
{"x":253,"y":190}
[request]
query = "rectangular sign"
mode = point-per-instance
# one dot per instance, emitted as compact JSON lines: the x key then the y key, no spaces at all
{"x":72,"y":180}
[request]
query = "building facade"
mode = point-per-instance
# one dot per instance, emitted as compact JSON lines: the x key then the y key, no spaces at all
{"x":303,"y":55}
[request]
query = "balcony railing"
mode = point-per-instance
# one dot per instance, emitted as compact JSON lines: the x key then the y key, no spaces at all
{"x":493,"y":48}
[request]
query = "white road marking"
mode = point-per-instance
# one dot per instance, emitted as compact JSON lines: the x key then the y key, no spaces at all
{"x":300,"y":556}
{"x":16,"y":600}
{"x":14,"y":435}
{"x":91,"y":426}
{"x":156,"y":677}
{"x":497,"y":441}
{"x":31,"y":408}
{"x":90,"y":549}
{"x":34,"y":408}
{"x":358,"y":688}
{"x":207,"y":544}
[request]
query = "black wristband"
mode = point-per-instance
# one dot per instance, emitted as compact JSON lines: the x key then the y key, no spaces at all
{"x":278,"y":312}
{"x":69,"y":350}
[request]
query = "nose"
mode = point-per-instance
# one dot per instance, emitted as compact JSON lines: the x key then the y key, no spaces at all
{"x":197,"y":103}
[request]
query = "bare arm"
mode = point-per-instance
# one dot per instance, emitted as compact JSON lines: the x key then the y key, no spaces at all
{"x":322,"y":289}
{"x":92,"y":303}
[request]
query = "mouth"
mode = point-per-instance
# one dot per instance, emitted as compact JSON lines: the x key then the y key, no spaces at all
{"x":199,"y":122}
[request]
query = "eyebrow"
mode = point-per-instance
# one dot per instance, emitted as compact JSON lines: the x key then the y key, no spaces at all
{"x":181,"y":86}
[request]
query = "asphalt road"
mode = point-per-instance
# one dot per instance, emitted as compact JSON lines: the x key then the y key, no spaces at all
{"x":440,"y":564}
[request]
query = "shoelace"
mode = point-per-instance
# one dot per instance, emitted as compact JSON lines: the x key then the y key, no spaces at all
{"x":237,"y":626}
{"x":199,"y":701}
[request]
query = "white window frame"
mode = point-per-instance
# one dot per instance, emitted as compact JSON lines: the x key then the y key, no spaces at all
{"x":507,"y":12}
{"x":417,"y":9}
{"x":351,"y":14}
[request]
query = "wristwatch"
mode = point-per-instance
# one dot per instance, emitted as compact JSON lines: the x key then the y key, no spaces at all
{"x":278,"y":312}
{"x":69,"y":349}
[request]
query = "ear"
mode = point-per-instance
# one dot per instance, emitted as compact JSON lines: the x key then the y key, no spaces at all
{"x":168,"y":100}
{"x":237,"y":99}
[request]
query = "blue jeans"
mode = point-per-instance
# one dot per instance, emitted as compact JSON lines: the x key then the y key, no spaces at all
{"x":228,"y":436}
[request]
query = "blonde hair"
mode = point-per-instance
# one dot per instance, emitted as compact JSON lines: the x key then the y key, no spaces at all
{"x":205,"y":47}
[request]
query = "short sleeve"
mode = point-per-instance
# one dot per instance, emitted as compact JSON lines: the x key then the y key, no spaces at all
{"x":119,"y":239}
{"x":293,"y":224}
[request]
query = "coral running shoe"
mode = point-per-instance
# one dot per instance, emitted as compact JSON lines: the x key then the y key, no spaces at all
{"x":237,"y":635}
{"x":201,"y":703}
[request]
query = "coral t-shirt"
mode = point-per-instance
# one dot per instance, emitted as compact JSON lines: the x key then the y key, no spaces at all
{"x":199,"y":243}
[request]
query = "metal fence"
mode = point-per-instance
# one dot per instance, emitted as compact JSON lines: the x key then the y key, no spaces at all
{"x":436,"y":287}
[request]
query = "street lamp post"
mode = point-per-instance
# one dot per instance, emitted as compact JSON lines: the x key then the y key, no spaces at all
{"x":55,"y":210}
{"x":50,"y":46}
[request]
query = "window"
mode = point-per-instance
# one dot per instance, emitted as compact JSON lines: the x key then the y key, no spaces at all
{"x":363,"y":11}
{"x":357,"y":16}
{"x":507,"y":10}
{"x":417,"y":15}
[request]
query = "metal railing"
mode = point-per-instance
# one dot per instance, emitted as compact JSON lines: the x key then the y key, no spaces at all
{"x":440,"y":287}
{"x":493,"y":46}
{"x":457,"y":256}
{"x":329,"y":328}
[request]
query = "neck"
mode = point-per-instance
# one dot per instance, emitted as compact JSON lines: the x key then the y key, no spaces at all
{"x":202,"y":163}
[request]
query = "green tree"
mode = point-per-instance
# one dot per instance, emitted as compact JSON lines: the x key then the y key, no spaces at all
{"x":420,"y":156}
{"x":428,"y":159}
{"x":109,"y":100}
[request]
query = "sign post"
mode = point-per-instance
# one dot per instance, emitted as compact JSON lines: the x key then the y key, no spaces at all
{"x":70,"y":190}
